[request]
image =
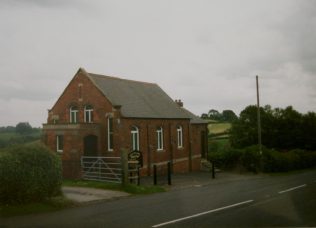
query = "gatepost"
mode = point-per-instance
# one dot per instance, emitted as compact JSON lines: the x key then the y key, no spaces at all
{"x":124,"y":161}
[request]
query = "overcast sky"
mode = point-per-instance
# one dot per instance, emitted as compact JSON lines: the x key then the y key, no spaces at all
{"x":206,"y":53}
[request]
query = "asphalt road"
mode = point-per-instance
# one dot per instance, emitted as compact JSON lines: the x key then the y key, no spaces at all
{"x":286,"y":200}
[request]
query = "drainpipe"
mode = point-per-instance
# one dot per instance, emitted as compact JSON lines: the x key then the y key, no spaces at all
{"x":190,"y":146}
{"x":148,"y":152}
{"x":170,"y":148}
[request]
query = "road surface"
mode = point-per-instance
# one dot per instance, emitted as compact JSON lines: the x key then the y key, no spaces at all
{"x":284,"y":200}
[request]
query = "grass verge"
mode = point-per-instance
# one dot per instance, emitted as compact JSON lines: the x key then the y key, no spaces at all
{"x":49,"y":205}
{"x":291,"y":172}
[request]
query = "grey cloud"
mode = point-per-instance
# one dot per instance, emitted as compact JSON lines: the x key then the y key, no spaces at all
{"x":204,"y":52}
{"x":301,"y":34}
{"x":39,"y":93}
{"x":42,"y":3}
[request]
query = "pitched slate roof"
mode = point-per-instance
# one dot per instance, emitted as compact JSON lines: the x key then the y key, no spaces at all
{"x":138,"y":99}
{"x":194,"y":118}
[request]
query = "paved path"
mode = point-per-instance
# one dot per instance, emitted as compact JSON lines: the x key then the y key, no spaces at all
{"x":179,"y":181}
{"x":196,"y":179}
{"x":82,"y":195}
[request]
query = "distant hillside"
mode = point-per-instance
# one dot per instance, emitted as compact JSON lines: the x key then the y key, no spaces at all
{"x":218,"y":128}
{"x":9,"y":137}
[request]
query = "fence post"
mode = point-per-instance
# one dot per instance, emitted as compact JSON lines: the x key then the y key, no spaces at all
{"x":138,"y":177}
{"x":155,"y":175}
{"x":124,"y":161}
{"x":213,"y":170}
{"x":169,"y":173}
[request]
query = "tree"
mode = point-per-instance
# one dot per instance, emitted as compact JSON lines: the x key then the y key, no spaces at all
{"x":309,"y":133}
{"x":228,"y":116}
{"x":23,"y":128}
{"x":244,"y":131}
{"x":204,"y":116}
{"x":214,"y":114}
{"x":283,"y":129}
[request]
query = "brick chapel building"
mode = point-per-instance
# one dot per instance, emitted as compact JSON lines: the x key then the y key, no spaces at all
{"x":99,"y":115}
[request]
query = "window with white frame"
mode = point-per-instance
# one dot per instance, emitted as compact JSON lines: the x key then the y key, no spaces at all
{"x":160,"y":138}
{"x":88,"y":114}
{"x":135,"y":138}
{"x":110,"y":133}
{"x":74,"y":114}
{"x":59,"y":143}
{"x":180,"y":136}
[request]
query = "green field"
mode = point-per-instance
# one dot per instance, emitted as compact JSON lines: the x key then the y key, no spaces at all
{"x":218,"y":137}
{"x":216,"y":128}
{"x":11,"y":138}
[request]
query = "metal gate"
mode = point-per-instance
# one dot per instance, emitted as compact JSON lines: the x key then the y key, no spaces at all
{"x":107,"y":169}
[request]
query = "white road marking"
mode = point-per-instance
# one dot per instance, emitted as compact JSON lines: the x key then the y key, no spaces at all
{"x":291,"y":189}
{"x":203,"y":213}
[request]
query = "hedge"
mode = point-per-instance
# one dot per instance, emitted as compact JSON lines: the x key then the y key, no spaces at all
{"x":269,"y":161}
{"x":29,"y":173}
{"x":226,"y":158}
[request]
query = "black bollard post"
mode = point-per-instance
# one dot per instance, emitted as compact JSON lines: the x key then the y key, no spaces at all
{"x":155,"y":175}
{"x":169,"y":173}
{"x":213,"y":169}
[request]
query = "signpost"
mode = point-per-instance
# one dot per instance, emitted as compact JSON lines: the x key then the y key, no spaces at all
{"x":136,"y":156}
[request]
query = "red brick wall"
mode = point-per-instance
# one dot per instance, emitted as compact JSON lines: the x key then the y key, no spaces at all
{"x":196,"y":146}
{"x":73,"y":137}
{"x":148,"y":140}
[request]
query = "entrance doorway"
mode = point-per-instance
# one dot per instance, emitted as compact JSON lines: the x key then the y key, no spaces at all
{"x":90,"y":145}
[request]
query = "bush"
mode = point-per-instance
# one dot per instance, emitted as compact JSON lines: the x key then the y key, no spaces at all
{"x":29,"y":173}
{"x":250,"y":158}
{"x":271,"y":160}
{"x":213,"y":146}
{"x":227,"y":158}
{"x":274,"y":161}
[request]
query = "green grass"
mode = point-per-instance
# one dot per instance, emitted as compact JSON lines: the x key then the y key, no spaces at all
{"x":7,"y":136}
{"x":215,"y":145}
{"x":53,"y":204}
{"x":223,"y":142}
{"x":215,"y":128}
{"x":130,"y":188}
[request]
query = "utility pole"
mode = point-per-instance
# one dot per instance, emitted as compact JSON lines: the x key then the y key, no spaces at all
{"x":258,"y":117}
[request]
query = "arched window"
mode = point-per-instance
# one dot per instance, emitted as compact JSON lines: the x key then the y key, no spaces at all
{"x":73,"y":114}
{"x":135,"y":138}
{"x":88,"y":114}
{"x":180,"y":136}
{"x":160,"y":138}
